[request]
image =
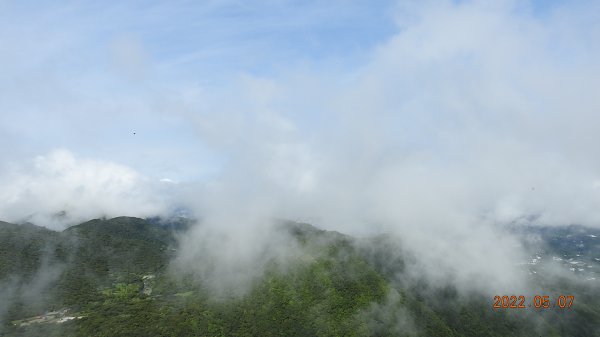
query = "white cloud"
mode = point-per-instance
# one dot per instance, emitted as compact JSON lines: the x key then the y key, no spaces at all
{"x":38,"y":191}
{"x":471,"y":117}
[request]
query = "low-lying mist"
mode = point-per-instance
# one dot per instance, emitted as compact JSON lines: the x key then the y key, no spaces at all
{"x":464,"y":122}
{"x":472,"y":117}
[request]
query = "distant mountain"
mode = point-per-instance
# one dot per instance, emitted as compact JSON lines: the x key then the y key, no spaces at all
{"x":112,"y":278}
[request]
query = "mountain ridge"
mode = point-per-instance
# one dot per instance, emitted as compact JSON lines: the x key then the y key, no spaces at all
{"x":112,"y":277}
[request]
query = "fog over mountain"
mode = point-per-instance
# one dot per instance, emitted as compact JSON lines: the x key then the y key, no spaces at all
{"x":437,"y":122}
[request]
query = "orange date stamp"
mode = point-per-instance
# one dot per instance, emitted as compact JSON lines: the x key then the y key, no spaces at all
{"x":536,"y":302}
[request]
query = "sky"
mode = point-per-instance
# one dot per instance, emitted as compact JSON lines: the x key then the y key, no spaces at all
{"x":181,"y":91}
{"x":91,"y":74}
{"x":438,"y":121}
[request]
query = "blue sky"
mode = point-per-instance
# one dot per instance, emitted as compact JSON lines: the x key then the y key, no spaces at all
{"x":230,"y":36}
{"x":61,"y":57}
{"x":306,"y":102}
{"x":64,"y":56}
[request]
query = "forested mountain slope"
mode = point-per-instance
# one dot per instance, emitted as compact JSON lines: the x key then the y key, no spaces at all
{"x":113,"y":278}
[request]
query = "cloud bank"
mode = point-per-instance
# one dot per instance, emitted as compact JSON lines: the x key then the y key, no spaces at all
{"x":60,"y":189}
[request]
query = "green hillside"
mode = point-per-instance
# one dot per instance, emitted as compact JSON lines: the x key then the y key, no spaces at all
{"x":112,"y":278}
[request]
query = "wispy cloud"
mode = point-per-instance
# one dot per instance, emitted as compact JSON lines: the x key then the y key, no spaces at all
{"x":468,"y":118}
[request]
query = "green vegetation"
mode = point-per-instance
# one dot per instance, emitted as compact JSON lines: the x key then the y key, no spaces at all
{"x":112,"y":278}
